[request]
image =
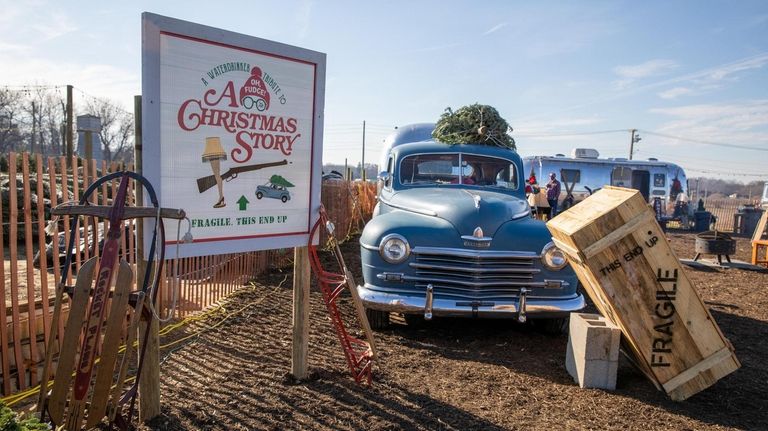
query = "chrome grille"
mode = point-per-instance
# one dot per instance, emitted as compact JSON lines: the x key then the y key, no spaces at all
{"x":474,"y":274}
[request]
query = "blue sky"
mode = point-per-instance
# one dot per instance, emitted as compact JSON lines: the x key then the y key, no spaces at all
{"x":564,"y":74}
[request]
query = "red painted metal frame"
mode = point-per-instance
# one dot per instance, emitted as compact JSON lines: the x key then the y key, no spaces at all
{"x":358,"y":353}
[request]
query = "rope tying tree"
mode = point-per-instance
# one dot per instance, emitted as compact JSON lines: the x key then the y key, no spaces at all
{"x":473,"y":124}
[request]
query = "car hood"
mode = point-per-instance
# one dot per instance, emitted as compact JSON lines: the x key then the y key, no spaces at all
{"x":466,"y":209}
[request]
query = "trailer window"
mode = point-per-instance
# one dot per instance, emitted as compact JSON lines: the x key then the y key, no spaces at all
{"x":621,"y":177}
{"x":570,"y":176}
{"x":659,"y":180}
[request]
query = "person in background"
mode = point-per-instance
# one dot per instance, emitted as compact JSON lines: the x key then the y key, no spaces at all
{"x":553,"y":192}
{"x":532,"y":193}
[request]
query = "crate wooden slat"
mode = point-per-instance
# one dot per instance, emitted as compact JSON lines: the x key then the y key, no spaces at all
{"x":626,"y":266}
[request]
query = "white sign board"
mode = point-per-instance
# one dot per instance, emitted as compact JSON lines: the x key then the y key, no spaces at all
{"x":232,"y":133}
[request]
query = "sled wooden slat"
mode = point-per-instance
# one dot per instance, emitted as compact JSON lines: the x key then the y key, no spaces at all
{"x":106,"y":367}
{"x":130,"y":349}
{"x":627,"y":267}
{"x":130,"y":212}
{"x":78,"y":305}
{"x":360,"y":310}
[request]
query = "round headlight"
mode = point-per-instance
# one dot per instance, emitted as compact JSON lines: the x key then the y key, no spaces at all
{"x":394,"y":248}
{"x":553,"y":258}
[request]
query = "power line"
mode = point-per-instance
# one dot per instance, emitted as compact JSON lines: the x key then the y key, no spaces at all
{"x":726,"y":173}
{"x":545,"y":135}
{"x":699,"y":141}
{"x":102,"y":99}
{"x":688,"y":158}
{"x":647,"y":132}
{"x":27,"y":87}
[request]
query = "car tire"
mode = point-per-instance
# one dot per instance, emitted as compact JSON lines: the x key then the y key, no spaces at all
{"x":284,"y":199}
{"x":377,"y":319}
{"x":552,"y":326}
{"x":259,"y":195}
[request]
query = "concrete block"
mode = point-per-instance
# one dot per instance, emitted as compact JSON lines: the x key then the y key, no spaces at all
{"x":592,"y":356}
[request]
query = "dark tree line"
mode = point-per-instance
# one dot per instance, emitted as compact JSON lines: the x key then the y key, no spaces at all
{"x":33,"y":119}
{"x":711,"y":186}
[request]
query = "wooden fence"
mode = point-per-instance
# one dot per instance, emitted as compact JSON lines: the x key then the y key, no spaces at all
{"x":32,"y":263}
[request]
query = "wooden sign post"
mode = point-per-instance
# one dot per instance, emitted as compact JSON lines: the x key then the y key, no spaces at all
{"x":301,"y":279}
{"x":149,"y":382}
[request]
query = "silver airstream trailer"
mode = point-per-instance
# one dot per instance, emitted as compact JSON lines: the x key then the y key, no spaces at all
{"x":585,"y":172}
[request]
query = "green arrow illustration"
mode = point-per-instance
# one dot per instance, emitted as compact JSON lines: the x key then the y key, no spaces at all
{"x":243,"y":202}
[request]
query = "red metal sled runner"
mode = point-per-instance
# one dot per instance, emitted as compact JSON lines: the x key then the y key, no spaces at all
{"x":359,"y":354}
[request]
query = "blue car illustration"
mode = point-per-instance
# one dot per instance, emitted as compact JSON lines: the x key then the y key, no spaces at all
{"x":276,"y":188}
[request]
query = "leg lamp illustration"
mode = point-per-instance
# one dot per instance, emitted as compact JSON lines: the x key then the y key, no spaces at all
{"x":214,"y":153}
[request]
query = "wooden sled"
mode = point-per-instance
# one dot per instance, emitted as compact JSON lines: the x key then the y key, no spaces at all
{"x":92,"y":366}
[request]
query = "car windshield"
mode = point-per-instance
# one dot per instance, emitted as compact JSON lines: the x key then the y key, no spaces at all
{"x":458,"y":168}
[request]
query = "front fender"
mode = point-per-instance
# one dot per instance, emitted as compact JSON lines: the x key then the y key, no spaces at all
{"x":417,"y":229}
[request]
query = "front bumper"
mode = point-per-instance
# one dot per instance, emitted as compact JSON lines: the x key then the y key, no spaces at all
{"x":533,"y":306}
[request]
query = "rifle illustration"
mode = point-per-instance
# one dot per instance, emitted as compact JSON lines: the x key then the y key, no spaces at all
{"x":206,"y":183}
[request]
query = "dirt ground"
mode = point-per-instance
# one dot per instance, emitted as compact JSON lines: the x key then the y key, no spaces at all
{"x":452,"y":374}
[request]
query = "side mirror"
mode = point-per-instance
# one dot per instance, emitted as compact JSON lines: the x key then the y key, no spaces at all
{"x":383,"y":180}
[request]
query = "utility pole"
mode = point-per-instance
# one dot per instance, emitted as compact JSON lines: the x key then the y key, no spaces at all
{"x":62,"y":148}
{"x":34,"y":129}
{"x":88,"y":145}
{"x":69,"y":122}
{"x":362,"y":162}
{"x":633,"y":140}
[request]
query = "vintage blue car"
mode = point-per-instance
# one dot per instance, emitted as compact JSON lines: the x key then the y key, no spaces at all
{"x":452,"y":235}
{"x":274,"y":191}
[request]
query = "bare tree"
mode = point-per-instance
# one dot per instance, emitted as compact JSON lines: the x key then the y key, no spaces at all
{"x":11,"y":115}
{"x":30,"y":119}
{"x":116,"y":129}
{"x":43,"y":118}
{"x":51,"y":119}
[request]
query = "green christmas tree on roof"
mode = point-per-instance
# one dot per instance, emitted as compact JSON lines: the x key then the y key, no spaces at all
{"x":473,"y":124}
{"x":280,"y":181}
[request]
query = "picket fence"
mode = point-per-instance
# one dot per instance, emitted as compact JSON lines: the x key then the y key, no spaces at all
{"x":33,"y":185}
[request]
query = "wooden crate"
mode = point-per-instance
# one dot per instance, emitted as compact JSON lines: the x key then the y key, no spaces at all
{"x":626,"y":266}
